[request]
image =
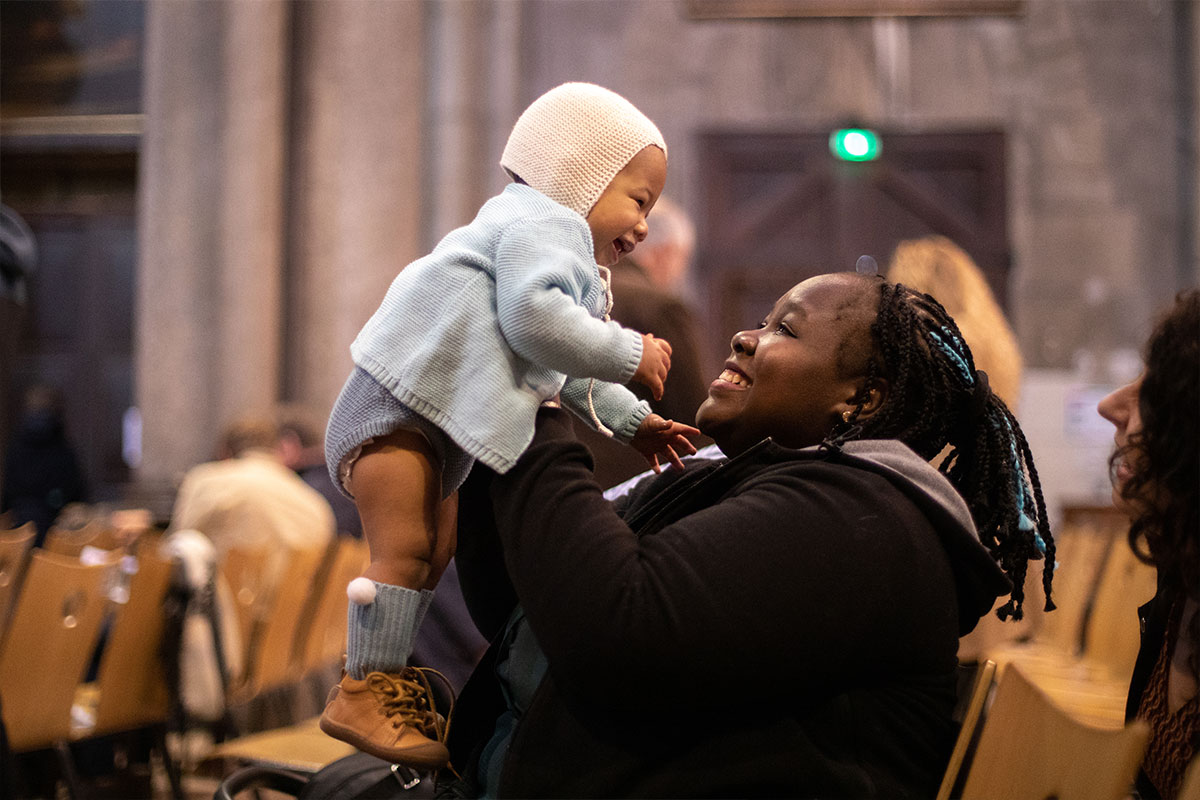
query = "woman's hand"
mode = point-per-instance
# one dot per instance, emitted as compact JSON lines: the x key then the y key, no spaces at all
{"x":657,"y":437}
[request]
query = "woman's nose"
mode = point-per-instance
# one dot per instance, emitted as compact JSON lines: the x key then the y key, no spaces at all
{"x":1114,"y":406}
{"x":744,"y":342}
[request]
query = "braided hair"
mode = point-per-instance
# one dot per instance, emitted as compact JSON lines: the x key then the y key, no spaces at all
{"x":938,"y":402}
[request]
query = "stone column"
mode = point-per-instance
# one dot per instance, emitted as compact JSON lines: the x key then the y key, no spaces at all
{"x":210,"y":196}
{"x":357,"y":166}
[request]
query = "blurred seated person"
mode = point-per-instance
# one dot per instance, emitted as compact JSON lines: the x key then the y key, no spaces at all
{"x":248,"y":497}
{"x":302,"y":449}
{"x":1156,"y":482}
{"x":42,"y":474}
{"x":937,"y":266}
{"x":648,"y":290}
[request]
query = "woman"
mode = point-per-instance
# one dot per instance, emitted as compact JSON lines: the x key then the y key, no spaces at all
{"x":779,"y":622}
{"x":1156,"y":481}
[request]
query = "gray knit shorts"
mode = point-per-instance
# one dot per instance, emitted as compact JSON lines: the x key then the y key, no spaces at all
{"x":366,"y":409}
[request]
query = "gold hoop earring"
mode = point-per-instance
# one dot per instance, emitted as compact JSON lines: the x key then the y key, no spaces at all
{"x":846,"y":416}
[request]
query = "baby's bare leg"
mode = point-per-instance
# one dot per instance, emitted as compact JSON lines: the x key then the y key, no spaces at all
{"x":397,"y":489}
{"x":447,"y":538}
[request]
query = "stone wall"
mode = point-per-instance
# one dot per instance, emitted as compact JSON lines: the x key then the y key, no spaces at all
{"x":1086,"y":92}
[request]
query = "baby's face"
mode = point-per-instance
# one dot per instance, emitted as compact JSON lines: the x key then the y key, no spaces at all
{"x":618,"y":220}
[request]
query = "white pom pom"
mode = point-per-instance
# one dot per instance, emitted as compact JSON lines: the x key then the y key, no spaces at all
{"x":361,"y":591}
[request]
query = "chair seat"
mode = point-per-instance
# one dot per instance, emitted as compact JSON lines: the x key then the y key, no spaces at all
{"x":302,"y":747}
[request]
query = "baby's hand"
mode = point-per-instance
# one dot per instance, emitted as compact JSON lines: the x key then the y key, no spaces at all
{"x":657,"y":436}
{"x":655,"y":364}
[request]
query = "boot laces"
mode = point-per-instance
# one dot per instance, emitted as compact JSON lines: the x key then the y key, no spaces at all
{"x":408,"y":698}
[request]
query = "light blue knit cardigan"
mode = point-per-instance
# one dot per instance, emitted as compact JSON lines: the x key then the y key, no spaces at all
{"x":477,"y":334}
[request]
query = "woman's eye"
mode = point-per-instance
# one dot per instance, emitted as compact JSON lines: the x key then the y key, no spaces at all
{"x":785,"y":330}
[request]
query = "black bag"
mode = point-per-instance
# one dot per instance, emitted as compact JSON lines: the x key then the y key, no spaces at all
{"x":364,"y":777}
{"x":358,"y":776}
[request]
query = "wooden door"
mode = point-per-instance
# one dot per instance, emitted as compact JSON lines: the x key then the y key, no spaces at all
{"x":778,"y":208}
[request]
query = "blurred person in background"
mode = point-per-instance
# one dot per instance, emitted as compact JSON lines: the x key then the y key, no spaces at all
{"x":1156,"y":482}
{"x":42,"y":474}
{"x":937,"y":266}
{"x":18,"y":257}
{"x":249,"y":498}
{"x":301,"y":447}
{"x":649,"y":288}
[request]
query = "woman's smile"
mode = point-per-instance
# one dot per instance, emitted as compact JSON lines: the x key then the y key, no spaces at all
{"x":731,"y":378}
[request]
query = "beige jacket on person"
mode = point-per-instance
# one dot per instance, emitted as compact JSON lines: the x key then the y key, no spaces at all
{"x":252,"y":500}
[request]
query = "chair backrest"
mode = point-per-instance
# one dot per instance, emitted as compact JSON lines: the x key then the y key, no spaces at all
{"x":1111,"y":636}
{"x":15,"y":545}
{"x":132,"y":680}
{"x":1081,"y":551}
{"x":969,"y":715}
{"x":54,"y":631}
{"x":270,"y":658}
{"x":1030,"y":749}
{"x":245,"y":573}
{"x":71,"y":541}
{"x":326,"y":640}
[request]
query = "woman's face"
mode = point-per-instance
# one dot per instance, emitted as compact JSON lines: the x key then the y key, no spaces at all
{"x":1122,"y":410}
{"x":793,"y":377}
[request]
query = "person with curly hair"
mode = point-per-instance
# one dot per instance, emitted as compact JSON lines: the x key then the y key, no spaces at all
{"x":1156,"y":482}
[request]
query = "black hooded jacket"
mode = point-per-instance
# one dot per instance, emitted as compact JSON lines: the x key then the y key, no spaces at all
{"x":783,"y":623}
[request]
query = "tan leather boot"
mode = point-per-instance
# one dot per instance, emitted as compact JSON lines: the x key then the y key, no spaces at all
{"x":390,"y":716}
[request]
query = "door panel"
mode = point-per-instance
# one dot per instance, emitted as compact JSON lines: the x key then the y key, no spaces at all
{"x":778,"y":208}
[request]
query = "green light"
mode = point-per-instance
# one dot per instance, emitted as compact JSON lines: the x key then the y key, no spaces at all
{"x":854,"y":144}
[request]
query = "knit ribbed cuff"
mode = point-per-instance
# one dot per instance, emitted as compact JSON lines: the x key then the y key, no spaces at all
{"x":380,"y":635}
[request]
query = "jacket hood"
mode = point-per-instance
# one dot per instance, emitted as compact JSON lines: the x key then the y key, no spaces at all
{"x":978,"y":578}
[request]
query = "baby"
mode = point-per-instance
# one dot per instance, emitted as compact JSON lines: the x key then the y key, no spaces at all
{"x":506,"y":313}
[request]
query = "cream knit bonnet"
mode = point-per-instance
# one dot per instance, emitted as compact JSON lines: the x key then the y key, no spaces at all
{"x":573,"y":140}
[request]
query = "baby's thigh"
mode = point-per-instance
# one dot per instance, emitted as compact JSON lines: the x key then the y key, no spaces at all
{"x":396,"y":486}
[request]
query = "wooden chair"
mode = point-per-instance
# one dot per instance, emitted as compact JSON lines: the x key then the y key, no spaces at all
{"x":1030,"y":749}
{"x":15,"y":545}
{"x":1093,"y":684}
{"x":55,"y":627}
{"x":271,"y":657}
{"x":969,"y":715}
{"x":131,"y":692}
{"x":326,"y":636}
{"x":302,"y":747}
{"x":1111,"y":637}
{"x":1082,"y":549}
{"x":245,"y":574}
{"x":71,"y":541}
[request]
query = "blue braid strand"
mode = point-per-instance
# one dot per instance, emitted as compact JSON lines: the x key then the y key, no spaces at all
{"x":939,"y":339}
